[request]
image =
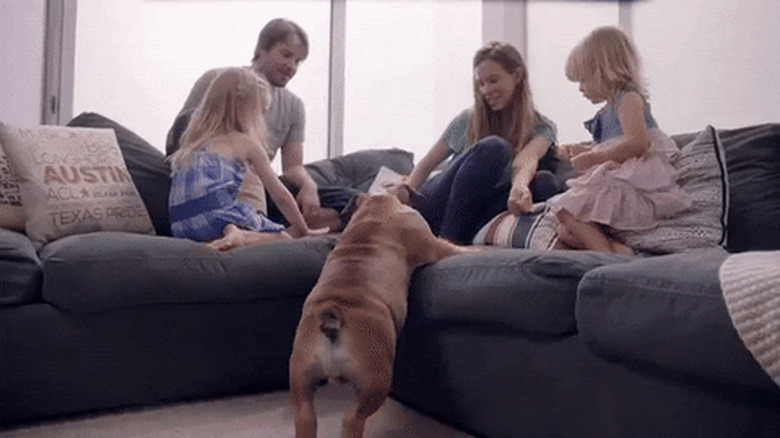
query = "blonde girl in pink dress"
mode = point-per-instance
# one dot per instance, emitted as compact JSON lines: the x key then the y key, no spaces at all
{"x":627,"y":181}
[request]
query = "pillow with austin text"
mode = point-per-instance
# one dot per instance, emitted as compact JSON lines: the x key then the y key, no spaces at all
{"x":72,"y":181}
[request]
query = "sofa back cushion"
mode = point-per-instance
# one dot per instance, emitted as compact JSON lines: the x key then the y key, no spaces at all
{"x":753,"y":158}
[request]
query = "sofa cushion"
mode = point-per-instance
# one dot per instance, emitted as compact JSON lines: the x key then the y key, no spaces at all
{"x":20,"y":270}
{"x":73,"y":180}
{"x":100,"y":271}
{"x":146,"y":164}
{"x":520,"y":290}
{"x":753,"y":157}
{"x":667,"y":313}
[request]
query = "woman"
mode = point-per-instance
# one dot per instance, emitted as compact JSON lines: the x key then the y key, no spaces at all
{"x":503,"y":157}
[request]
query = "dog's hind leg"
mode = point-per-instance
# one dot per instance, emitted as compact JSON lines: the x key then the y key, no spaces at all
{"x":302,"y":400}
{"x":368,"y":402}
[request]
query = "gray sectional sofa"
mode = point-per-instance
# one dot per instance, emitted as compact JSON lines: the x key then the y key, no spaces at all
{"x":504,"y":343}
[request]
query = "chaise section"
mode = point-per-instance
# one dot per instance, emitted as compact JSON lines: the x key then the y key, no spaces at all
{"x":667,"y":314}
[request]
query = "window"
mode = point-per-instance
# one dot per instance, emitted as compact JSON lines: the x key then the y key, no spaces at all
{"x":135,"y":60}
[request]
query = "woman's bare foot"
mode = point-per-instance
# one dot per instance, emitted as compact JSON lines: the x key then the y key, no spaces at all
{"x":234,"y":237}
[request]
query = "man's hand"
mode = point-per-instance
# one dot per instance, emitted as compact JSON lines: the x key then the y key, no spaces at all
{"x":520,"y":199}
{"x":308,"y":200}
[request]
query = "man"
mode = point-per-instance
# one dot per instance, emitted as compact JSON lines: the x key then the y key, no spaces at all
{"x":281,"y":46}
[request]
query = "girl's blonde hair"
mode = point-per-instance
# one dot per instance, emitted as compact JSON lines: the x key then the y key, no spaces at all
{"x":235,"y":101}
{"x":609,"y":56}
{"x":515,"y":123}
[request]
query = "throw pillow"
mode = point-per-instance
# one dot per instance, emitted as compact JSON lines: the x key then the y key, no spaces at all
{"x":510,"y":231}
{"x":11,"y":214}
{"x":151,"y":174}
{"x":701,"y":171}
{"x":73,"y":180}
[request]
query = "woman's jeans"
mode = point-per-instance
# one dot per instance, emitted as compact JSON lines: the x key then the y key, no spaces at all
{"x":473,"y":189}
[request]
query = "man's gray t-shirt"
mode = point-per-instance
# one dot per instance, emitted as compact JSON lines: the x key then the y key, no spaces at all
{"x":286,"y":118}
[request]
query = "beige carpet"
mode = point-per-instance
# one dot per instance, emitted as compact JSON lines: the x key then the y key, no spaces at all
{"x":257,"y":416}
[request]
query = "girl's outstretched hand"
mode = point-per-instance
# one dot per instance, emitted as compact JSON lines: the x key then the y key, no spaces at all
{"x":296,"y":231}
{"x":585,"y":161}
{"x":569,"y":151}
{"x":520,"y":200}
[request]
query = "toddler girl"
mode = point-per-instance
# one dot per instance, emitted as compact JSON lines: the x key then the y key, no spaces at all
{"x":225,"y":136}
{"x":627,"y":180}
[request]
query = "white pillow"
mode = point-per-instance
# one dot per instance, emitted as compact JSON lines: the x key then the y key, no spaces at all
{"x":701,"y":171}
{"x":73,"y":180}
{"x":11,"y":214}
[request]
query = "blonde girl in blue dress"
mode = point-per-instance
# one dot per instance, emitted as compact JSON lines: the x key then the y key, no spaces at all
{"x":627,"y":181}
{"x":225,"y":136}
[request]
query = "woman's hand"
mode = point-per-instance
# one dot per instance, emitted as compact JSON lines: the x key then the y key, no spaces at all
{"x":520,"y":199}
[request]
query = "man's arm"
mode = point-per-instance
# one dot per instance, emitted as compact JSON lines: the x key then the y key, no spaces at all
{"x":295,"y":174}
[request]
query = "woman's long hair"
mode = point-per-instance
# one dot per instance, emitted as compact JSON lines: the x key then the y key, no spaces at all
{"x":235,"y":101}
{"x":514,"y":123}
{"x":609,"y":56}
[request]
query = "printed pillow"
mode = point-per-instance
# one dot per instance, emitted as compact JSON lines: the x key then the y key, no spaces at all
{"x":510,"y":231}
{"x":73,"y":180}
{"x":11,"y":214}
{"x":147,"y":166}
{"x":701,"y":171}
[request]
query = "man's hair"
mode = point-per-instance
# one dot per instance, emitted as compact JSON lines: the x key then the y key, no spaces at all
{"x":276,"y":31}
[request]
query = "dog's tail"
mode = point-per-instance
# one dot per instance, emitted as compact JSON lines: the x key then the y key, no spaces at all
{"x":330,"y":322}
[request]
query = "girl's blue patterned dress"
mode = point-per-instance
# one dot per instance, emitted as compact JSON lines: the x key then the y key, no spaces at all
{"x":203,"y":201}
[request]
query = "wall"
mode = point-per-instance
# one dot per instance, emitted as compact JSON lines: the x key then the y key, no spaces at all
{"x":22,"y":24}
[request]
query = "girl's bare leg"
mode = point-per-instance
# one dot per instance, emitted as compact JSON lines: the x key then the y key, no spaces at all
{"x":234,"y":237}
{"x":589,"y":234}
{"x":565,"y":239}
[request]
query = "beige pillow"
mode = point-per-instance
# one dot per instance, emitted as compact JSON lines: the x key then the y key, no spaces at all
{"x":72,"y":181}
{"x":11,"y":215}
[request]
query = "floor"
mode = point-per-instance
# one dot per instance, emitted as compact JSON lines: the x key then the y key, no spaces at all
{"x":257,"y":416}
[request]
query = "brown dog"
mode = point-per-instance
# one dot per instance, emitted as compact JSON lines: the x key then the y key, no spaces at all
{"x":353,"y":316}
